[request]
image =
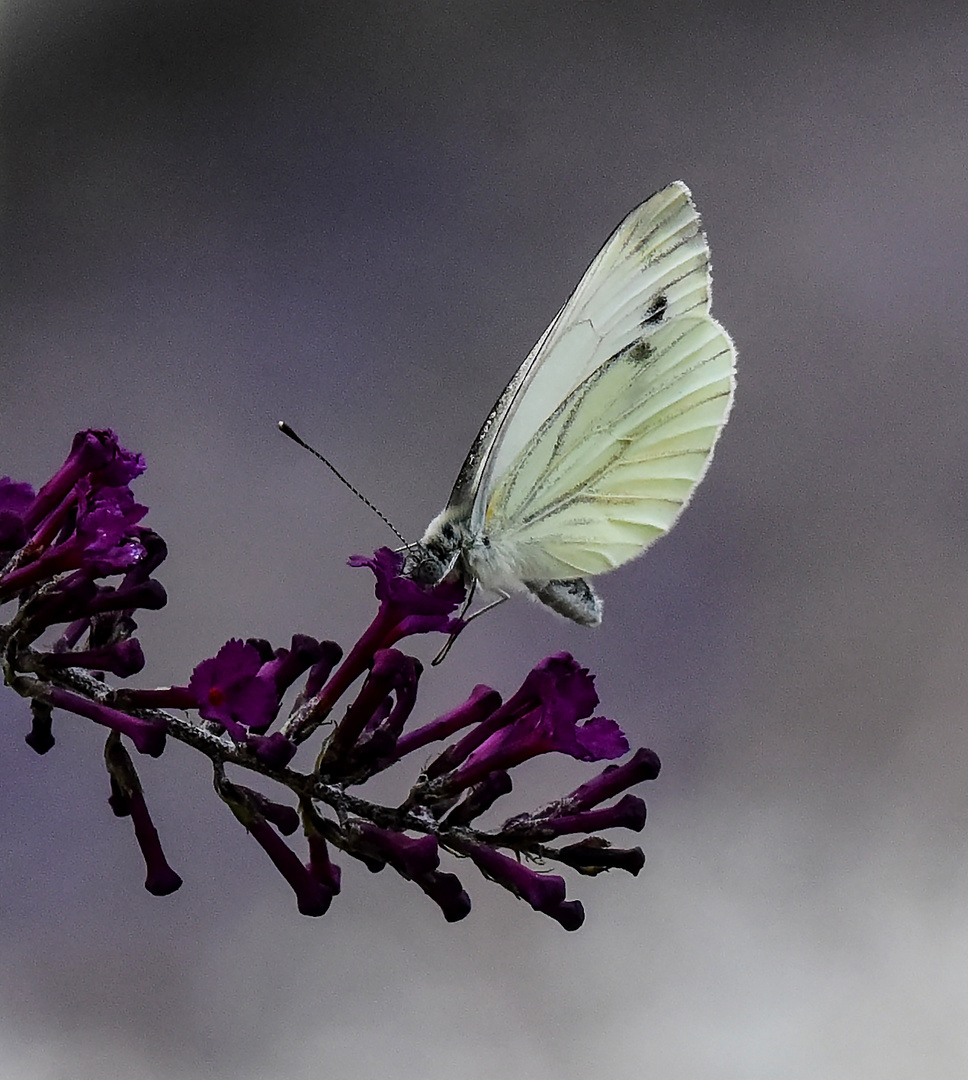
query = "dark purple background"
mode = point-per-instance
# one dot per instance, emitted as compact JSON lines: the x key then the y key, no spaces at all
{"x":359,"y":217}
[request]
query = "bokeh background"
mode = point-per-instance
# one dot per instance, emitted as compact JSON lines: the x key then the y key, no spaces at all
{"x":359,"y":217}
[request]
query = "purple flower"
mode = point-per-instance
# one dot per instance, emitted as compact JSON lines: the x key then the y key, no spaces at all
{"x":15,"y":501}
{"x":148,"y":736}
{"x":155,"y":552}
{"x":102,"y":539}
{"x":391,"y":671}
{"x":410,"y":857}
{"x":404,"y":595}
{"x":161,"y":879}
{"x":642,"y":765}
{"x":149,"y":595}
{"x":595,"y":855}
{"x":544,"y":892}
{"x":327,"y":873}
{"x":84,"y":516}
{"x":96,"y":454}
{"x":374,"y":749}
{"x":555,"y":679}
{"x":416,"y":859}
{"x":479,"y":706}
{"x":287,"y":665}
{"x":274,"y":750}
{"x":229,"y":691}
{"x":627,"y":813}
{"x":447,"y":893}
{"x":312,"y":897}
{"x":123,"y":658}
{"x":330,"y":656}
{"x":480,"y":798}
{"x":285,"y":818}
{"x":127,"y":800}
{"x":76,"y":598}
{"x":405,"y":608}
{"x":106,"y":517}
{"x":565,"y":695}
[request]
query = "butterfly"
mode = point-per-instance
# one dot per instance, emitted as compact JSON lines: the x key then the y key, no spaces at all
{"x":599,"y":440}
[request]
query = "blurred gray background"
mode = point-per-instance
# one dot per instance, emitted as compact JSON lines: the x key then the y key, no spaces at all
{"x":360,"y":217}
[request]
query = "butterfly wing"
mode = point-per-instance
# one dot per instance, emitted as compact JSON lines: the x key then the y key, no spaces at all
{"x":599,"y":440}
{"x":612,"y":468}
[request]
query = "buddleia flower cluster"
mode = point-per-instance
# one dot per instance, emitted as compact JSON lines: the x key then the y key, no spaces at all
{"x":77,"y":567}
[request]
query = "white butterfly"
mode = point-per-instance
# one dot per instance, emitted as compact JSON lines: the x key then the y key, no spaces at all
{"x":599,"y":440}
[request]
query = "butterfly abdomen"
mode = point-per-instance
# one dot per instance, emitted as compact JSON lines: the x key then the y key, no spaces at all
{"x":574,"y":598}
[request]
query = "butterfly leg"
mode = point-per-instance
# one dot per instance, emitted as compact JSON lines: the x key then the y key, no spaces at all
{"x":439,"y":658}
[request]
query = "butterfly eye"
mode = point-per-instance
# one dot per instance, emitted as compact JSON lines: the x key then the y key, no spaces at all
{"x":656,"y":311}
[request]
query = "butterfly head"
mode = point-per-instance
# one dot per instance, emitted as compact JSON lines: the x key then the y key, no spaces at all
{"x":437,"y":557}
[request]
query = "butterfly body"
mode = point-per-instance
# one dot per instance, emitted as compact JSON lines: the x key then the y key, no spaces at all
{"x":597,"y":443}
{"x":450,"y":551}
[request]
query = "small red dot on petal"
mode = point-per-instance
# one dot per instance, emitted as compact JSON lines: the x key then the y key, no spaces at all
{"x":216,"y":696}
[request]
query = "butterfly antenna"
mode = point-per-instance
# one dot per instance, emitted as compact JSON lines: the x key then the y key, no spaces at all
{"x":287,"y":430}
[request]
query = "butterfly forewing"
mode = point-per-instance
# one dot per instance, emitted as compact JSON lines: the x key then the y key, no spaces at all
{"x":654,"y":266}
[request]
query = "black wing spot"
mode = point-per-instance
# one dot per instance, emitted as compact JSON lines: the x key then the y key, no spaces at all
{"x":657,"y":310}
{"x":639,"y":352}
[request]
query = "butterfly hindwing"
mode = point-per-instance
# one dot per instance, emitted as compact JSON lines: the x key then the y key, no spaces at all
{"x":612,"y":468}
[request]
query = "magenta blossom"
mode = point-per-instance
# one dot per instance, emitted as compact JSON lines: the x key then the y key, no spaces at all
{"x":15,"y":500}
{"x":228,"y":689}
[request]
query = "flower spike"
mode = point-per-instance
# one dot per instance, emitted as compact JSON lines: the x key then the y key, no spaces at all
{"x":77,"y":570}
